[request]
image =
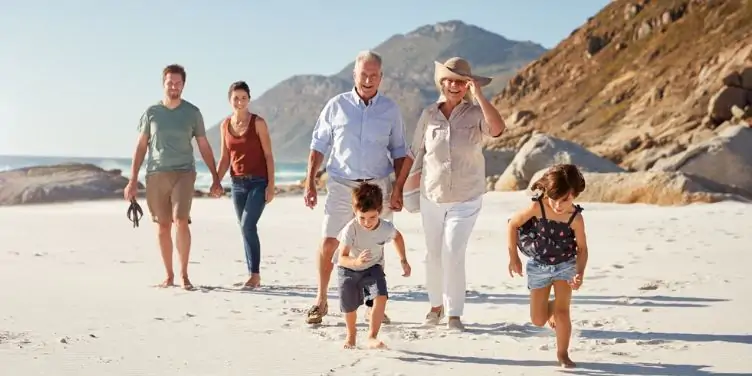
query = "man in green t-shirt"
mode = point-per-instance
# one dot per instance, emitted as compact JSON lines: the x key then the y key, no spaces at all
{"x":165,"y":131}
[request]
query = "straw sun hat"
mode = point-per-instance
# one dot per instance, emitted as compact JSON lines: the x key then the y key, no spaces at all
{"x":459,"y":69}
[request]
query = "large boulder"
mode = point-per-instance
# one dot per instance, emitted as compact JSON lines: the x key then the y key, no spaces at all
{"x":60,"y":183}
{"x":726,"y":158}
{"x":664,"y":188}
{"x":497,"y":160}
{"x":720,"y":105}
{"x":540,"y":152}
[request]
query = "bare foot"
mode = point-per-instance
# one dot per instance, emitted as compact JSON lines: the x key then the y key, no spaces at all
{"x":254,"y":281}
{"x":187,"y":285}
{"x":349,"y":343}
{"x":168,"y":282}
{"x":374,"y":343}
{"x":564,"y":360}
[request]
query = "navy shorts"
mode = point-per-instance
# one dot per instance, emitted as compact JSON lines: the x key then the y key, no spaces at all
{"x":355,"y":286}
{"x":541,"y":275}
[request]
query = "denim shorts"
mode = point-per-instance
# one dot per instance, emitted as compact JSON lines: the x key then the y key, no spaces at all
{"x":541,"y":275}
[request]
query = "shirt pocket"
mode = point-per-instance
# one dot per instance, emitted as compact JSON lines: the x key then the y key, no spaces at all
{"x":435,"y":137}
{"x":466,"y":134}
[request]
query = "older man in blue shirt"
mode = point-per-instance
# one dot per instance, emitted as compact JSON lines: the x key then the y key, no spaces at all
{"x":364,"y":132}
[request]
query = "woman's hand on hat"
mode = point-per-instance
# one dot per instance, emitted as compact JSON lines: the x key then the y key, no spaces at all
{"x":473,"y":86}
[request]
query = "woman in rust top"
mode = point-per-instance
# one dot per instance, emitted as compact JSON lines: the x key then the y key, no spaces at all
{"x":247,"y":151}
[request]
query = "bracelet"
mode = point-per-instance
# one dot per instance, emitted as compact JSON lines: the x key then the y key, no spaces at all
{"x":403,"y":261}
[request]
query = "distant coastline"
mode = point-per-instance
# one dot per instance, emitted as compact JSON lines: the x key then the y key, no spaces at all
{"x":286,"y":173}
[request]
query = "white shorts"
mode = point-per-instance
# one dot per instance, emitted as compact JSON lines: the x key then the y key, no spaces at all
{"x":338,"y":206}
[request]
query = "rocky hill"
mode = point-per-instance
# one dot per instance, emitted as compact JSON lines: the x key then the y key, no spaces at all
{"x":292,"y":106}
{"x":640,"y":81}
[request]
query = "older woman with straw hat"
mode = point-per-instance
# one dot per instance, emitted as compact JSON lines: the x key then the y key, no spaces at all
{"x":448,"y":176}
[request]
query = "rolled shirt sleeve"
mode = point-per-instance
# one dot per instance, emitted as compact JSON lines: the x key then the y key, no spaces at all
{"x":397,"y":143}
{"x":477,"y":112}
{"x":417,"y":145}
{"x":321,"y":140}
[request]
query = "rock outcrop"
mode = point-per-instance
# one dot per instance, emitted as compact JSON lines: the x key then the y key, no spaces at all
{"x":725,"y":159}
{"x":498,"y":160}
{"x":60,"y":183}
{"x":664,"y":188}
{"x":733,"y":102}
{"x":540,"y":152}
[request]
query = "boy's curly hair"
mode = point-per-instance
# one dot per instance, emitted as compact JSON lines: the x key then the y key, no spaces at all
{"x":561,"y":180}
{"x":367,"y":197}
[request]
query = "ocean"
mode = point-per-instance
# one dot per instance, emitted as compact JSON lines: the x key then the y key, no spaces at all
{"x":285,"y":173}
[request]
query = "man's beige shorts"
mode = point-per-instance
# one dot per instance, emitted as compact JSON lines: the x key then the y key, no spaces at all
{"x":338,"y":208}
{"x":169,"y":195}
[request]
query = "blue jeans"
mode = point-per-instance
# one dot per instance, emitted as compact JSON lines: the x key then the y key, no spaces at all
{"x":249,"y":198}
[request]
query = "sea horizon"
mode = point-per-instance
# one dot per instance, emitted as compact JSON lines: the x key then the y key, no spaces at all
{"x":285,"y":172}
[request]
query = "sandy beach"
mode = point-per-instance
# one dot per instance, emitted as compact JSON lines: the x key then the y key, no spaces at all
{"x":666,"y":293}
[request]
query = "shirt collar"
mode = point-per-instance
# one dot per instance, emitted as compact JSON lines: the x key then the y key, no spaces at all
{"x":435,"y":106}
{"x":360,"y":100}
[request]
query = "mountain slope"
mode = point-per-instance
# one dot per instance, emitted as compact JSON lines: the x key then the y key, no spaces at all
{"x":292,"y":106}
{"x":635,"y":82}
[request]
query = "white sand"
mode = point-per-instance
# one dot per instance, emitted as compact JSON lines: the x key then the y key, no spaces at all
{"x":80,"y":274}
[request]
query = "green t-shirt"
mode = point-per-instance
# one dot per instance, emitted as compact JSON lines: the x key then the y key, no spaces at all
{"x":170,"y":133}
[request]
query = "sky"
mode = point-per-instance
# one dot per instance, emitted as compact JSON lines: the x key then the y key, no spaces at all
{"x":75,"y":76}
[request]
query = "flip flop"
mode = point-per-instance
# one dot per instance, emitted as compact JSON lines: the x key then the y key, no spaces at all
{"x":135,"y":213}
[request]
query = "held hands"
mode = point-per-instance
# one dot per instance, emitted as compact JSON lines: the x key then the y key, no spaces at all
{"x":406,"y":269}
{"x":395,"y":202}
{"x":216,"y":190}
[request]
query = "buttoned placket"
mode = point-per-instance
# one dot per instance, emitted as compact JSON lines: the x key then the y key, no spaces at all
{"x":448,"y":162}
{"x":363,"y":118}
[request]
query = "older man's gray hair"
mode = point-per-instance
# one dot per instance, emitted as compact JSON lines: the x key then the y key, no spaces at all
{"x":369,"y":55}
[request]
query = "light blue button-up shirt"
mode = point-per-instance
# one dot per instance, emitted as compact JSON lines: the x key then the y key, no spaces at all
{"x":363,"y":140}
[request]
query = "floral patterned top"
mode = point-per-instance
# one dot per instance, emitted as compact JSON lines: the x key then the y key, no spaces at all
{"x":547,"y":241}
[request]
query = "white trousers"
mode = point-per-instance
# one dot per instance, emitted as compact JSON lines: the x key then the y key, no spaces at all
{"x":447,"y":228}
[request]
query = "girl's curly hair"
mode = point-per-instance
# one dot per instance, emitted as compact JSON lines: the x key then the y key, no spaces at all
{"x":560,"y":180}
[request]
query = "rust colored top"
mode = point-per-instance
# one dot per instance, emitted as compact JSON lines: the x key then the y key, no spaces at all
{"x":246,"y":154}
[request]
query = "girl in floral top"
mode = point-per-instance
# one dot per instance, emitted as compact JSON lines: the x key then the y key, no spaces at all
{"x":551,"y":233}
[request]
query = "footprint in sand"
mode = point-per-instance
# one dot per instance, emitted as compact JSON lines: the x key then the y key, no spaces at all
{"x":13,"y":337}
